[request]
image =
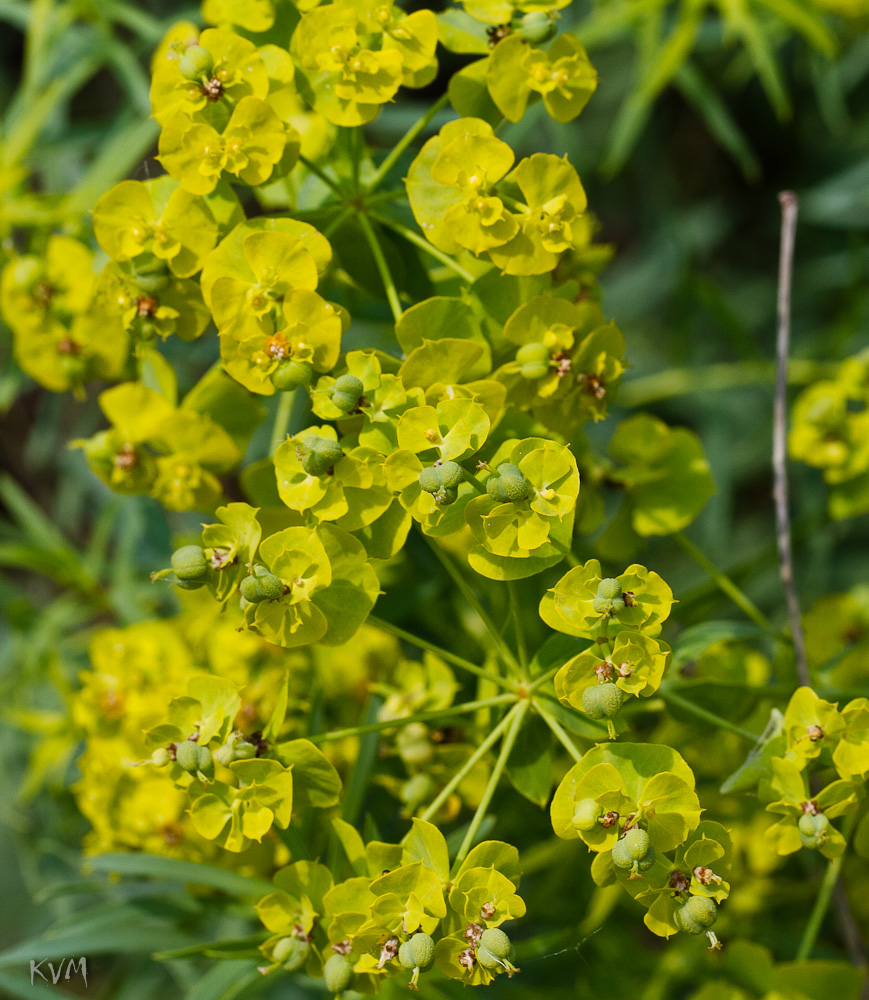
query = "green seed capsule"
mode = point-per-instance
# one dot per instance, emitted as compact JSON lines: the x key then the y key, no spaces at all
{"x":602,"y":701}
{"x":430,"y":480}
{"x":323,"y":454}
{"x":451,"y":474}
{"x":637,"y":843}
{"x":696,"y":915}
{"x":608,"y":589}
{"x":189,"y":563}
{"x":634,"y":852}
{"x":187,"y":756}
{"x":532,"y":353}
{"x":514,"y":489}
{"x":346,"y":392}
{"x":350,"y":384}
{"x":205,"y":762}
{"x":338,"y":973}
{"x":533,"y":361}
{"x":406,"y":957}
{"x":291,"y":375}
{"x":344,"y":401}
{"x":814,"y":830}
{"x":250,"y":590}
{"x":419,"y":951}
{"x":537,"y":27}
{"x":196,"y":63}
{"x":292,"y":952}
{"x":160,"y":757}
{"x":586,"y":813}
{"x":269,"y":586}
{"x":495,"y":951}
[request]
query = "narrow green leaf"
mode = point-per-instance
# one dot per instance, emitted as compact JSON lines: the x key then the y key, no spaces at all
{"x":155,"y":866}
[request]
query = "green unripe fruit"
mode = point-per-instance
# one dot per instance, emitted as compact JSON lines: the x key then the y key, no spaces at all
{"x":508,"y":469}
{"x":509,"y":485}
{"x":189,"y":563}
{"x":322,"y":455}
{"x":338,"y":973}
{"x":586,"y":813}
{"x":270,"y":587}
{"x":344,"y":401}
{"x":418,"y":952}
{"x":451,"y":474}
{"x":533,"y":361}
{"x":814,"y":830}
{"x":696,"y":915}
{"x":235,"y":749}
{"x":346,"y":392}
{"x":189,"y":584}
{"x":291,"y":952}
{"x":494,"y":950}
{"x":602,"y":701}
{"x":187,"y":756}
{"x":261,"y":586}
{"x":204,"y":761}
{"x":406,"y":957}
{"x":350,"y":384}
{"x":430,"y":479}
{"x":530,"y":353}
{"x":291,"y":375}
{"x":196,"y":63}
{"x":634,"y":852}
{"x":537,"y":27}
{"x":608,"y":589}
{"x":637,"y":843}
{"x":514,"y":489}
{"x":160,"y":757}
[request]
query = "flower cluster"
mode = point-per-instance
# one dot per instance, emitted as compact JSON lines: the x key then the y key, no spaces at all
{"x":829,"y":432}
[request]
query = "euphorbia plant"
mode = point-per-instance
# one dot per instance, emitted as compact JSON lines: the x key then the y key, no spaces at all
{"x":463,"y":427}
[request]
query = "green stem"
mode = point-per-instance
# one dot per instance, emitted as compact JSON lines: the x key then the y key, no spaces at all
{"x":518,"y":630}
{"x":338,"y":222}
{"x":406,"y":720}
{"x":330,"y":182}
{"x":444,"y":654}
{"x":560,"y":734}
{"x":669,"y":695}
{"x":474,"y":602}
{"x":516,"y":715}
{"x":395,"y":154}
{"x":424,"y":245}
{"x":724,"y":583}
{"x":825,"y":894}
{"x":468,"y":766}
{"x":472,"y":479}
{"x":282,"y":421}
{"x":382,"y":266}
